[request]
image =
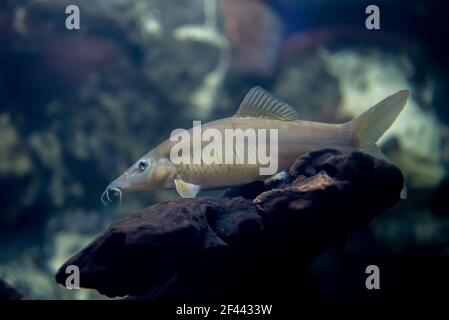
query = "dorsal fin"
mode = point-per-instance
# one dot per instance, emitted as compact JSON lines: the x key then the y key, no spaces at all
{"x":261,"y":104}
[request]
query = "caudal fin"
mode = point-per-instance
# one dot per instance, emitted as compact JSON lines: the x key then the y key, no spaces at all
{"x":371,"y":125}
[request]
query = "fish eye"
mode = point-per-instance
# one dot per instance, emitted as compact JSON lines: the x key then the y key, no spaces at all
{"x":142,"y":165}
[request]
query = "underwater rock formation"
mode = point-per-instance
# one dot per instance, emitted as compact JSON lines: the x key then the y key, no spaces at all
{"x":55,"y":135}
{"x":256,"y":240}
{"x":9,"y":293}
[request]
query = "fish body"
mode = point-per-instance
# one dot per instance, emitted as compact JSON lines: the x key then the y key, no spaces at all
{"x":261,"y":112}
{"x":295,"y":138}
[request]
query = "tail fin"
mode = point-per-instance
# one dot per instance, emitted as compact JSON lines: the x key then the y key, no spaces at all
{"x":371,"y":125}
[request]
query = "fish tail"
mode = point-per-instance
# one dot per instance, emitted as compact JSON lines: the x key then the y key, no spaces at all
{"x":370,"y":126}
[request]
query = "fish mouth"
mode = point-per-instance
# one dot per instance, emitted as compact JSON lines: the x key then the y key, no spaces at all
{"x":113,"y":187}
{"x":106,"y":199}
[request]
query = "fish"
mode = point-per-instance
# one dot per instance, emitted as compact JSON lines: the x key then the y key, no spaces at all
{"x":259,"y":110}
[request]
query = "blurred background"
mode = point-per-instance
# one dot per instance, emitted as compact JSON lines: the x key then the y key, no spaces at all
{"x":77,"y":107}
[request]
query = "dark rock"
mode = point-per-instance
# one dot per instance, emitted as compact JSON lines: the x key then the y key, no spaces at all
{"x":235,"y":246}
{"x":9,"y":293}
{"x":439,"y":203}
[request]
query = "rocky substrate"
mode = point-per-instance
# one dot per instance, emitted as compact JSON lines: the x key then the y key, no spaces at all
{"x":255,"y":241}
{"x":7,"y":292}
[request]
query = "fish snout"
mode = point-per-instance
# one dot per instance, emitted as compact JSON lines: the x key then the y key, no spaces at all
{"x":118,"y":186}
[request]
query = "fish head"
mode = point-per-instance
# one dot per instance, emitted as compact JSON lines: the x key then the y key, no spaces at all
{"x":147,"y":173}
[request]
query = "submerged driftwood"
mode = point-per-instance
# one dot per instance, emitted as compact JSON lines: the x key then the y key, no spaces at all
{"x":254,"y":241}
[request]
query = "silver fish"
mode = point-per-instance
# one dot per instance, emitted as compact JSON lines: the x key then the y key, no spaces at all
{"x":259,"y":110}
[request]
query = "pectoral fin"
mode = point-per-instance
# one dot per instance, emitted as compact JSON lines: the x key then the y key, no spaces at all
{"x":281,"y":175}
{"x":185,"y":189}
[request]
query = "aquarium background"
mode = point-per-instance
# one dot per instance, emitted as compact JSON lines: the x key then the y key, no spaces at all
{"x":77,"y":107}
